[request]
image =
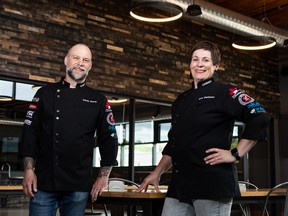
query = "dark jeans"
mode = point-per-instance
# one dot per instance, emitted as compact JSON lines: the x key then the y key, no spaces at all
{"x":69,"y":203}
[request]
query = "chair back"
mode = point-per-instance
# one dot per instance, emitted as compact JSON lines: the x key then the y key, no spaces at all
{"x":247,"y":184}
{"x":281,"y":185}
{"x":104,"y":205}
{"x":125,"y":181}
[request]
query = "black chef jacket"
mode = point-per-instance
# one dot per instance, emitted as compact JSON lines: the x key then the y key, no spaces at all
{"x":59,"y":131}
{"x":203,"y":118}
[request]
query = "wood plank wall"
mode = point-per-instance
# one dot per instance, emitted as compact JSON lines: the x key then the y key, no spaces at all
{"x":130,"y":57}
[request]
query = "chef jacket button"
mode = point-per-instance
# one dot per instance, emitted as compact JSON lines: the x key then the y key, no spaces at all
{"x":176,"y":171}
{"x":58,"y":90}
{"x":57,"y":134}
{"x":57,"y":117}
{"x":58,"y":96}
{"x":56,"y":141}
{"x":57,"y":110}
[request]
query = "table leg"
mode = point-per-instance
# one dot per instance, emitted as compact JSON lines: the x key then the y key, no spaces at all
{"x":286,"y":203}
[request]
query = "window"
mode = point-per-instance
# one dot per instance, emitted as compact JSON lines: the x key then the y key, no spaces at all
{"x":21,"y":92}
{"x":24,"y":92}
{"x":164,"y":129}
{"x":6,"y":88}
{"x":152,"y":123}
{"x":144,"y":132}
{"x":148,"y":146}
{"x":242,"y":164}
{"x":143,"y":155}
{"x":158,"y":153}
{"x":237,"y":131}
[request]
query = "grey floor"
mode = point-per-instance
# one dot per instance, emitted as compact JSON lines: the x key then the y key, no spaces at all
{"x":18,"y":206}
{"x":13,"y":212}
{"x":23,"y":211}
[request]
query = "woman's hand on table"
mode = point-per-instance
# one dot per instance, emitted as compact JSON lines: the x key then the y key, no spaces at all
{"x":152,"y":179}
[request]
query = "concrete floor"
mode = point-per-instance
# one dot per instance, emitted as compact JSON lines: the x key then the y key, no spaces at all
{"x":23,"y":211}
{"x":13,"y":205}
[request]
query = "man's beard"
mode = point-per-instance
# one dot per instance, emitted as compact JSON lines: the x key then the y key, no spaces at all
{"x":76,"y":77}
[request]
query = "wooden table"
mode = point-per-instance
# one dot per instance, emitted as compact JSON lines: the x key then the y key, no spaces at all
{"x":11,"y":190}
{"x":262,"y":192}
{"x":258,"y":196}
{"x":8,"y":190}
{"x":152,"y":201}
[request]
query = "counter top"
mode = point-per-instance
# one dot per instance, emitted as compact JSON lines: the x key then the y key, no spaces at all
{"x":11,"y":187}
{"x":130,"y":190}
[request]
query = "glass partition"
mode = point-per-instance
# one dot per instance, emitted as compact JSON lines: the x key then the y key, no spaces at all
{"x":24,"y":92}
{"x":6,"y":89}
{"x":152,"y":123}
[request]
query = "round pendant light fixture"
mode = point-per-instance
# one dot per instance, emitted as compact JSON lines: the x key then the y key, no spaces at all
{"x":36,"y":87}
{"x":117,"y":100}
{"x":5,"y":98}
{"x":162,"y":11}
{"x":255,"y":43}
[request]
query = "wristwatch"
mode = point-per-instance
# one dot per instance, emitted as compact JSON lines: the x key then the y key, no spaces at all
{"x":235,"y":153}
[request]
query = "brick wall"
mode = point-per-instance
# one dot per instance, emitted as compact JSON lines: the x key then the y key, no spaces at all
{"x":130,"y":57}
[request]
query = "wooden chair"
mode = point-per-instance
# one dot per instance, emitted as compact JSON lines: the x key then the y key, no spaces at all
{"x":281,"y":185}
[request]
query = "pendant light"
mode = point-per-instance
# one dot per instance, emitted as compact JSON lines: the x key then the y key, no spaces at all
{"x":168,"y":11}
{"x":255,"y":43}
{"x":5,"y":98}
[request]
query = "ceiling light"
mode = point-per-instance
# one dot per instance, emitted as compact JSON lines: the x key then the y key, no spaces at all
{"x":255,"y":43}
{"x":194,"y":10}
{"x":173,"y":12}
{"x":36,"y":87}
{"x":5,"y":98}
{"x":117,"y":100}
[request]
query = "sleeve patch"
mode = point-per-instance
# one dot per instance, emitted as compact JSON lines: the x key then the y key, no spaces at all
{"x":29,"y":114}
{"x":27,"y":122}
{"x":108,"y":107}
{"x":33,"y":107}
{"x":245,"y":99}
{"x":110,"y":119}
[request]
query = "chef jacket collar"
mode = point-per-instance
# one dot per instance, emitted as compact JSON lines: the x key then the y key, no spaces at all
{"x":204,"y":83}
{"x":66,"y":84}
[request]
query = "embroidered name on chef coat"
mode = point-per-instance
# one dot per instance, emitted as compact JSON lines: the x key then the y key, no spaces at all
{"x":89,"y":101}
{"x":207,"y":97}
